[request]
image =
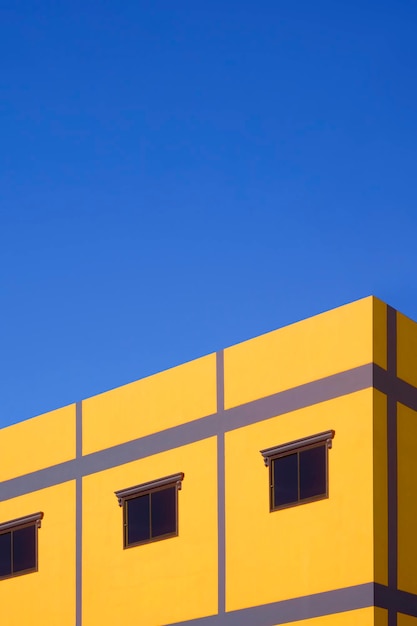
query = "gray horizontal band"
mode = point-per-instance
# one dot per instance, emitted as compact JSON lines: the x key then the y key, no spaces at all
{"x":396,"y":599}
{"x":295,"y":609}
{"x":34,"y":518}
{"x":405,"y":602}
{"x":202,"y":428}
{"x":300,"y":397}
{"x":317,"y":605}
{"x":35,"y":481}
{"x":280,"y":403}
{"x":398,"y":388}
{"x":173,"y":480}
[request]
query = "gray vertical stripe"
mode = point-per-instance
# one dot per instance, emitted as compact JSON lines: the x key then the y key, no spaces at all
{"x":78,"y":521}
{"x":79,"y":430}
{"x":221,"y":505}
{"x":221,"y":525}
{"x":392,"y":462}
{"x":220,"y":381}
{"x":78,"y":551}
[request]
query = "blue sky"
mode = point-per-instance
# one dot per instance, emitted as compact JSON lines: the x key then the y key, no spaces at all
{"x":176,"y":177}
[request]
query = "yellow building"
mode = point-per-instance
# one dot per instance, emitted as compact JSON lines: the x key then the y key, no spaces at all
{"x":274,"y":482}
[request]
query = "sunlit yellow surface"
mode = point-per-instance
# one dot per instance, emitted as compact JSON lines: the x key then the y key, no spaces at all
{"x":380,"y":488}
{"x":312,"y":547}
{"x":381,"y":617}
{"x":320,"y":546}
{"x":152,"y":404}
{"x":406,"y":620}
{"x":317,"y":347}
{"x":45,"y":597}
{"x":162,"y":582}
{"x":37,"y":443}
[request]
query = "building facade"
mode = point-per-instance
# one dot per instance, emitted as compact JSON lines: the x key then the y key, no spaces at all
{"x":270,"y":483}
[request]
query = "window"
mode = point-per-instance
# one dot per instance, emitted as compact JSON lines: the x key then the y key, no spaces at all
{"x":150,"y":510}
{"x":19,"y":545}
{"x":298,"y":471}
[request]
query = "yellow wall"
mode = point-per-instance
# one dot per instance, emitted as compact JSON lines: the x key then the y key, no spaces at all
{"x":380,"y":489}
{"x":302,"y":550}
{"x":37,"y":443}
{"x":308,"y":548}
{"x":45,"y":597}
{"x":406,"y":620}
{"x":165,"y":581}
{"x":152,"y":404}
{"x":381,"y":617}
{"x":360,"y":617}
{"x":314,"y":348}
{"x":407,"y":503}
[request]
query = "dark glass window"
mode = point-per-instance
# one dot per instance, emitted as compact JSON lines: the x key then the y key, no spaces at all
{"x":6,"y":554}
{"x":18,"y":545}
{"x":313,"y":481}
{"x":150,"y":510}
{"x":24,"y":549}
{"x":285,"y":480}
{"x":151,"y":516}
{"x":164,"y":512}
{"x":299,"y":476}
{"x":138,"y":519}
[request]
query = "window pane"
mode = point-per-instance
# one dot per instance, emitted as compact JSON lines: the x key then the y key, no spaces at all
{"x":24,"y":549}
{"x":5,"y":554}
{"x":164,"y":515}
{"x":138,"y":523}
{"x":285,"y":475}
{"x":313,"y":472}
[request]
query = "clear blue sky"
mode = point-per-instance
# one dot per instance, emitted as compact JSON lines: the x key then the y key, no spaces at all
{"x":176,"y":177}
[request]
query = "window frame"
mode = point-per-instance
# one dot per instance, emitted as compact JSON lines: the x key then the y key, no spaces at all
{"x":125,"y":495}
{"x":270,"y":455}
{"x":34,"y":519}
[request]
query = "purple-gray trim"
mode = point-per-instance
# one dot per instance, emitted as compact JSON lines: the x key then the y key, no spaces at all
{"x":174,"y":480}
{"x":405,"y":602}
{"x":391,"y":385}
{"x":395,"y":600}
{"x":33,"y":518}
{"x":300,"y":397}
{"x":295,"y":609}
{"x":392,"y":462}
{"x":78,"y":517}
{"x":316,"y":605}
{"x":78,"y":550}
{"x":221,"y":480}
{"x":225,"y":420}
{"x":304,"y":442}
{"x":328,"y":388}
